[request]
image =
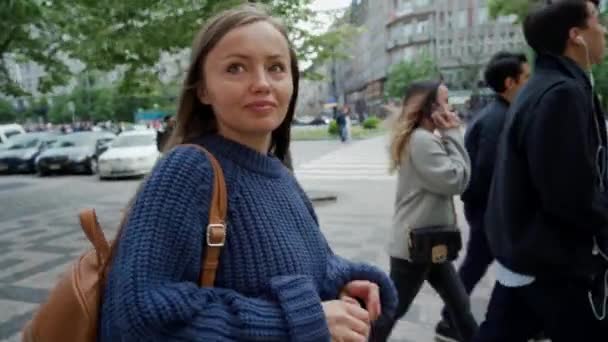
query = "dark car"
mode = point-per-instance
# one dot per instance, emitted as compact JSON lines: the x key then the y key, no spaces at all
{"x":74,"y":153}
{"x":21,"y":151}
{"x":320,"y":120}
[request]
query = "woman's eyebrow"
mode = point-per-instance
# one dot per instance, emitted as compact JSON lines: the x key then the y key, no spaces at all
{"x":244,"y":56}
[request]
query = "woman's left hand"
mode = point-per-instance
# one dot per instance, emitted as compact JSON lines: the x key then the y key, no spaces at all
{"x":366,"y":291}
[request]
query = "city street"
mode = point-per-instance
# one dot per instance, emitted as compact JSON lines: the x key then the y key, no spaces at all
{"x":39,"y":232}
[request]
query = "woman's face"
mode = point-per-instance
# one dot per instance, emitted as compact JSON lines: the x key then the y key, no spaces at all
{"x":248,"y":81}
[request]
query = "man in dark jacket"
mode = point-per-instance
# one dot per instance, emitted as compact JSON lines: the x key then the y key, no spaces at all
{"x":506,"y":73}
{"x":547,"y":204}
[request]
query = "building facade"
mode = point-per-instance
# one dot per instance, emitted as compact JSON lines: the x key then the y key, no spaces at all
{"x":458,"y":35}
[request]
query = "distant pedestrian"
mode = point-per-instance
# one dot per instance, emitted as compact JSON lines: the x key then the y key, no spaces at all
{"x":506,"y":73}
{"x":432,"y":169}
{"x":547,"y":213}
{"x":341,"y":123}
{"x":164,"y":133}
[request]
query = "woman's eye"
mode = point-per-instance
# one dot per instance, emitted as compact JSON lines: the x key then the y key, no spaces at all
{"x":277,"y":68}
{"x":235,"y":68}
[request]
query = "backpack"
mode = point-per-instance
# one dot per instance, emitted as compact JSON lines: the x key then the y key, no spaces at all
{"x":71,"y":312}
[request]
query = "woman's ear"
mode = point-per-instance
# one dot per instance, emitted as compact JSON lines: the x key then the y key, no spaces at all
{"x":202,"y":95}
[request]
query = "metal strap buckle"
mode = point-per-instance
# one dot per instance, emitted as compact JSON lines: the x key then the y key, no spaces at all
{"x":439,"y":254}
{"x":214,"y":226}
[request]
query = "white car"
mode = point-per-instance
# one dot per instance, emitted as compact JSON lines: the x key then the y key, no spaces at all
{"x":133,"y":153}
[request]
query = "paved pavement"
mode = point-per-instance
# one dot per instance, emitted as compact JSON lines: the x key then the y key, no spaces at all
{"x":39,"y":232}
{"x":358,"y":224}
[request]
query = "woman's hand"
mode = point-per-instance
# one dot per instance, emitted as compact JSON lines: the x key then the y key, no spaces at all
{"x":367,"y":292}
{"x":347,"y":321}
{"x":446,"y":120}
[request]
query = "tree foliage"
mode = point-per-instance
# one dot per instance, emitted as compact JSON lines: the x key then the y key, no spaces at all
{"x":33,"y":31}
{"x":522,"y":7}
{"x":129,"y":36}
{"x":408,"y":71}
{"x":7,"y":112}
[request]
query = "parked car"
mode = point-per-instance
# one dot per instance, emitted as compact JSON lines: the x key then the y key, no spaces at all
{"x":7,"y":131}
{"x":133,"y":153}
{"x":74,"y":152}
{"x":320,"y":120}
{"x":22,"y":150}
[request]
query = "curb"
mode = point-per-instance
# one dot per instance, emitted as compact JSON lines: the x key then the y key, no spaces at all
{"x":320,"y":196}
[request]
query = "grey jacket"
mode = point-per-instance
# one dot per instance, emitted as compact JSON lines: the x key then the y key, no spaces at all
{"x":434,"y":171}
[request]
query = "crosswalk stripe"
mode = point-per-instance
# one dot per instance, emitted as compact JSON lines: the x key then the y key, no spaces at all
{"x":363,"y":160}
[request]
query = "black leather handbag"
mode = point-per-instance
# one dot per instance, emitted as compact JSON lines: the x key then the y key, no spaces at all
{"x":435,"y":244}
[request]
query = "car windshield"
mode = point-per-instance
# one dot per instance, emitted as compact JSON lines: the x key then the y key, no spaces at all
{"x":22,"y":141}
{"x":134,"y":140}
{"x":75,"y":140}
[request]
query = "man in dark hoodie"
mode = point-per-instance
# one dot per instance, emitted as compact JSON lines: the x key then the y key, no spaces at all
{"x":506,"y":73}
{"x":547,"y":212}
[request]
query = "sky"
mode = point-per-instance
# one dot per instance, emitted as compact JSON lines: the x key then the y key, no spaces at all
{"x":323,"y":5}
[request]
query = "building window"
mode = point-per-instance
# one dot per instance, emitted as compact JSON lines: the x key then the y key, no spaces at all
{"x":482,"y":15}
{"x":462,"y":19}
{"x":406,"y":30}
{"x":405,"y":7}
{"x":423,"y":26}
{"x":509,"y":19}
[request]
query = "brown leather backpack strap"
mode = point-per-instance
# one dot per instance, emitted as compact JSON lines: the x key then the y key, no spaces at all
{"x":92,"y":229}
{"x":215,"y":236}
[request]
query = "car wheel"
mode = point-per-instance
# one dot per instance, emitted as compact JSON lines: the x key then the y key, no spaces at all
{"x":92,"y":167}
{"x":42,"y":173}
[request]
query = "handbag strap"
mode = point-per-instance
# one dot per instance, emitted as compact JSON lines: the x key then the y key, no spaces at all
{"x":454,"y":211}
{"x":215,"y":236}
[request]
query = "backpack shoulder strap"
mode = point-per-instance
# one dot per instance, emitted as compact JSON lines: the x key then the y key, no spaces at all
{"x":215,"y":235}
{"x":92,"y":229}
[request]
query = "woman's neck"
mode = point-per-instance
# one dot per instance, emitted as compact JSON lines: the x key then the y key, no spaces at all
{"x":257,"y":142}
{"x":428,"y":125}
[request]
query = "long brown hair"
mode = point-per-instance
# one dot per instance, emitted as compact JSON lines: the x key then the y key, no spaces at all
{"x":418,"y":103}
{"x":195,"y":119}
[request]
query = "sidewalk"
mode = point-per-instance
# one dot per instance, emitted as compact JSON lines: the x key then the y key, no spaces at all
{"x":358,"y":224}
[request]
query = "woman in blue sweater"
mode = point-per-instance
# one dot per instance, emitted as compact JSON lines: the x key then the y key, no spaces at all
{"x":277,"y":279}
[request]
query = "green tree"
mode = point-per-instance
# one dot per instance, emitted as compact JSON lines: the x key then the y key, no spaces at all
{"x":125,"y":35}
{"x":407,"y":71}
{"x":33,"y":31}
{"x":509,"y":7}
{"x":522,"y":7}
{"x":8,"y":113}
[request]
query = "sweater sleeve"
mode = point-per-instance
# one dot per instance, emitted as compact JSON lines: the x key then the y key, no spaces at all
{"x":444,"y":167}
{"x":147,"y":297}
{"x":340,"y":272}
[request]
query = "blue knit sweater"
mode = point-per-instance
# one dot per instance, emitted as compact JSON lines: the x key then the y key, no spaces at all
{"x":275,"y":269}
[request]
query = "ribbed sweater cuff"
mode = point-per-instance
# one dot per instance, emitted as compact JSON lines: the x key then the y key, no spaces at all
{"x":340,"y":272}
{"x":301,"y":304}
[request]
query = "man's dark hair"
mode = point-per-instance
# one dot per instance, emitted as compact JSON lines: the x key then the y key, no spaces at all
{"x":502,"y":66}
{"x":546,"y":29}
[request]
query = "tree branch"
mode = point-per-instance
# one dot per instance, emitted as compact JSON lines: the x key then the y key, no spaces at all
{"x":8,"y":41}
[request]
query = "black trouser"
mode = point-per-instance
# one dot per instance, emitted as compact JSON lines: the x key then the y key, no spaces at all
{"x":477,"y":259}
{"x":559,"y":307}
{"x":409,"y":277}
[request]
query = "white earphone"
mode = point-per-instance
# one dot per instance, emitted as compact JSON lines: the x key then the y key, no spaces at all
{"x":581,"y":40}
